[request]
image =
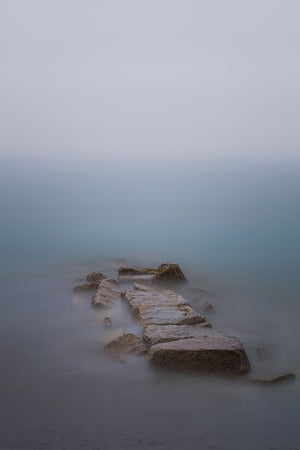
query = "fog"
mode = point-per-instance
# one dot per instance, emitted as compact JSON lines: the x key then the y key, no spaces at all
{"x":160,"y":79}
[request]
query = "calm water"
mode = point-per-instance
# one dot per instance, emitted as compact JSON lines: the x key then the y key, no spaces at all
{"x":233,"y":228}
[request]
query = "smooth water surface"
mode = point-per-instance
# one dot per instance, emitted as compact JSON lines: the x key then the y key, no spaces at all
{"x":233,"y":228}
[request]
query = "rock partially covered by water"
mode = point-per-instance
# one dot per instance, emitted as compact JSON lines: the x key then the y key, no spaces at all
{"x":215,"y":352}
{"x":160,"y":307}
{"x":155,"y":334}
{"x":86,"y":287}
{"x":95,"y":277}
{"x":276,"y":379}
{"x":126,"y":344}
{"x":170,"y":272}
{"x":108,"y":292}
{"x":132,"y":274}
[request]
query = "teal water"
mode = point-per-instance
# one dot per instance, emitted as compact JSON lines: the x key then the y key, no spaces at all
{"x":234,"y":229}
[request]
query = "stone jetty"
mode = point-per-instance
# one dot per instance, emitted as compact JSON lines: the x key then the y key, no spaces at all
{"x":177,"y":337}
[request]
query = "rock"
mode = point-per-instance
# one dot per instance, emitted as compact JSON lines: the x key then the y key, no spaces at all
{"x":169,"y":272}
{"x":107,"y":294}
{"x":261,"y":354}
{"x":161,"y":307}
{"x":156,"y":334}
{"x":86,"y":287}
{"x":95,"y":277}
{"x":128,"y":343}
{"x":137,"y":278}
{"x":131,"y":274}
{"x":216,"y":352}
{"x":141,"y":287}
{"x":107,"y":322}
{"x":277,"y":379}
{"x":208,"y":308}
{"x":134,"y":271}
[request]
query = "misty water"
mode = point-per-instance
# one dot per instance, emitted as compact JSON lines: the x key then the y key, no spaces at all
{"x":234,"y":230}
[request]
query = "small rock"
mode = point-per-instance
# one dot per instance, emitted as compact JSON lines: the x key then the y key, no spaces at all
{"x":261,"y":354}
{"x":208,"y":308}
{"x":170,"y":272}
{"x":126,"y":344}
{"x":95,"y":277}
{"x":86,"y":287}
{"x":277,"y":379}
{"x":107,"y":294}
{"x":107,"y":322}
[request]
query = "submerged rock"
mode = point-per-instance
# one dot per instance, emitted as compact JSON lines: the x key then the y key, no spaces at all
{"x":126,"y":344}
{"x":261,"y":354}
{"x":275,"y":379}
{"x":107,"y":322}
{"x":156,"y":334}
{"x":132,"y":274}
{"x":216,"y":352}
{"x":208,"y":308}
{"x":86,"y":287}
{"x":169,"y":272}
{"x":95,"y":277}
{"x":161,"y":307}
{"x":108,"y":292}
{"x":135,"y":271}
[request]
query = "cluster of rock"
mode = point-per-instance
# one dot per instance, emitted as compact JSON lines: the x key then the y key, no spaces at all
{"x":175,"y":336}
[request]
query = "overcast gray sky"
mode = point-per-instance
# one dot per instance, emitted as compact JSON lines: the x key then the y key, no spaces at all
{"x":159,"y":78}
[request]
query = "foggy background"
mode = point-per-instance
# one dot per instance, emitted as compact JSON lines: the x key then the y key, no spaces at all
{"x":140,"y":79}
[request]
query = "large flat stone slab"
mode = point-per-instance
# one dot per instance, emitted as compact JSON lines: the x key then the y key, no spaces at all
{"x":161,"y":307}
{"x":155,"y":334}
{"x":108,"y":292}
{"x":216,"y":352}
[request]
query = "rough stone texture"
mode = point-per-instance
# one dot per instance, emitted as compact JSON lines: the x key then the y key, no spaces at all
{"x":107,"y":294}
{"x":95,"y":277}
{"x":125,"y":344}
{"x":129,"y":271}
{"x":216,"y":352}
{"x":156,"y":334}
{"x":86,"y":287}
{"x":276,"y":379}
{"x":161,"y":307}
{"x":169,"y":272}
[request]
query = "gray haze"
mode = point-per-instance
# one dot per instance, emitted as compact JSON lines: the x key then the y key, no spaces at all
{"x":140,"y":78}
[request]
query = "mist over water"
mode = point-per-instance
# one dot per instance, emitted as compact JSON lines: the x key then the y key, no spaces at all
{"x":234,"y":229}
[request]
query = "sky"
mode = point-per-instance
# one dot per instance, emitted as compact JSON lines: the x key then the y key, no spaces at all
{"x":130,"y":79}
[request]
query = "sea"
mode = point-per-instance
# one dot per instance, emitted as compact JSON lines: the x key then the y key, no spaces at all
{"x":232,"y":226}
